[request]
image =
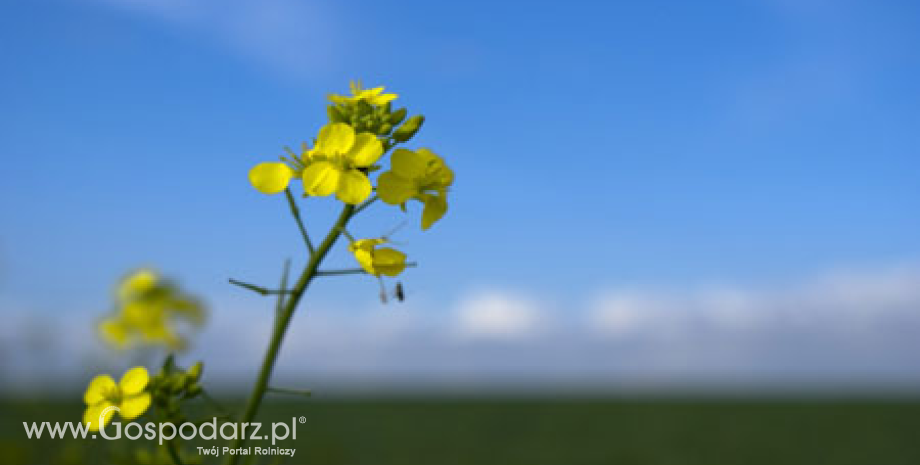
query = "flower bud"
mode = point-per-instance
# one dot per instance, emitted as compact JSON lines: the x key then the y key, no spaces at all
{"x":194,"y":372}
{"x":193,"y":390}
{"x":385,"y":128}
{"x":335,"y":115}
{"x":397,"y":116}
{"x":408,"y":129}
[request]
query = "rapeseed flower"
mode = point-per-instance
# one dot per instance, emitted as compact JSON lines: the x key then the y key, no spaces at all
{"x":373,"y":96}
{"x":148,"y":309}
{"x":420,"y":175}
{"x":378,"y":261}
{"x":338,"y":163}
{"x":103,"y":397}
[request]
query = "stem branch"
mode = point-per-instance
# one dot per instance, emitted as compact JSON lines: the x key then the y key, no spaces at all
{"x":282,"y":322}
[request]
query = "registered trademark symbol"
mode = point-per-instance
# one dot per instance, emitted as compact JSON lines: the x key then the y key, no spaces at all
{"x":303,"y":420}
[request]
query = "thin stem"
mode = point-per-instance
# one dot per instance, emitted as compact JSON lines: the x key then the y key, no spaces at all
{"x":293,"y":392}
{"x":295,"y":211}
{"x":258,"y":289}
{"x":365,"y":204}
{"x":347,"y":271}
{"x":282,"y":321}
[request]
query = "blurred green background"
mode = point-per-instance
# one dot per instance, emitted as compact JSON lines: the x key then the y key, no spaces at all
{"x":512,"y":431}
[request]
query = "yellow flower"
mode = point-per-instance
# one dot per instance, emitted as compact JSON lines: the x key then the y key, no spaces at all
{"x":420,"y":175}
{"x":147,"y":309}
{"x":373,"y":96}
{"x":103,"y":397}
{"x":335,"y":164}
{"x":383,"y":261}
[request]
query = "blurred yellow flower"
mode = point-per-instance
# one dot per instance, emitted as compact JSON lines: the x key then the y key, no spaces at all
{"x":378,"y":261}
{"x":103,"y":397}
{"x":148,"y":309}
{"x":373,"y":96}
{"x":336,"y":163}
{"x":420,"y":175}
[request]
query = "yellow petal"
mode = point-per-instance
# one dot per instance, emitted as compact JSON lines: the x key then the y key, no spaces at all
{"x":137,"y":284}
{"x":98,"y":389}
{"x":134,"y":381}
{"x":320,"y":179}
{"x":366,"y":260}
{"x":389,"y":262}
{"x":335,"y":138}
{"x":354,"y":187}
{"x":114,"y":331}
{"x":93,"y":412}
{"x":435,"y":208}
{"x":437,"y":173}
{"x":382,"y":99}
{"x":365,"y":244}
{"x":270,"y":178}
{"x":408,"y":164}
{"x":366,"y":150}
{"x":134,"y":406}
{"x":394,"y":189}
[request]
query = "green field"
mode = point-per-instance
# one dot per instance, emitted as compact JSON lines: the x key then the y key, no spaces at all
{"x":502,"y":432}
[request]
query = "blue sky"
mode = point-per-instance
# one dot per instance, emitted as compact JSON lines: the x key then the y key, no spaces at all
{"x":597,"y":145}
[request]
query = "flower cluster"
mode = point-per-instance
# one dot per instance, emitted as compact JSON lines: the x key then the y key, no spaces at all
{"x":362,"y":128}
{"x":147,"y":312}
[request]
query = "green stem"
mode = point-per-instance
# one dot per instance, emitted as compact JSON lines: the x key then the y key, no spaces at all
{"x":354,"y":270}
{"x":295,"y":212}
{"x":282,"y":321}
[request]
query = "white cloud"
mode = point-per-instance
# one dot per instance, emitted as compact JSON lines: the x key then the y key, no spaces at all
{"x":293,"y":38}
{"x":499,"y":316}
{"x":842,"y":329}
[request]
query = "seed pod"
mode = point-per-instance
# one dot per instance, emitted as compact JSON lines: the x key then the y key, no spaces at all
{"x":409,"y":128}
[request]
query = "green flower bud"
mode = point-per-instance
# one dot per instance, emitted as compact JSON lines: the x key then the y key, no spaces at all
{"x":363,"y":108}
{"x":193,"y":390}
{"x":335,"y":115}
{"x":397,"y":116}
{"x":384,"y":129}
{"x":194,"y":372}
{"x":408,"y":129}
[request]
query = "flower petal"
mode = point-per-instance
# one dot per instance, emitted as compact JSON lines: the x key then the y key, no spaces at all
{"x":134,"y":381}
{"x":137,"y":283}
{"x":366,"y":150}
{"x":270,"y":178}
{"x":394,"y":189}
{"x":114,"y":331}
{"x":408,"y":164}
{"x":320,"y":179}
{"x":134,"y":406}
{"x":335,"y":138}
{"x":389,"y":262}
{"x":354,"y":187}
{"x":435,"y":208}
{"x":366,"y":259}
{"x":98,"y":388}
{"x":93,"y":412}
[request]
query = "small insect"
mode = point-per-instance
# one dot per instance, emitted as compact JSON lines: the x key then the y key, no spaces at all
{"x":398,"y":292}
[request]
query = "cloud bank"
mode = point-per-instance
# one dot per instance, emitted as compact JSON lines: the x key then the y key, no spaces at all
{"x":841,"y":330}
